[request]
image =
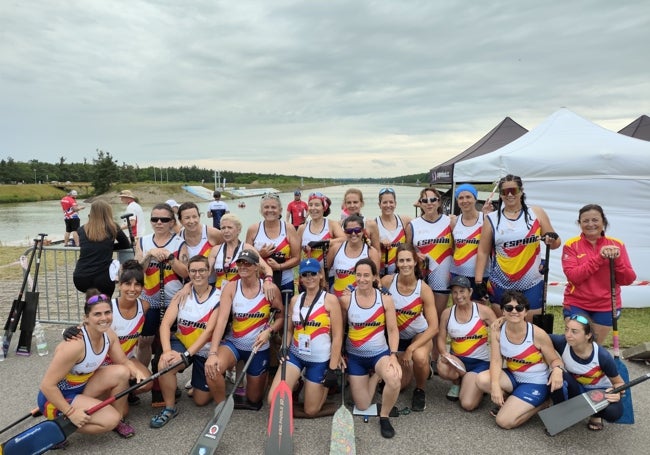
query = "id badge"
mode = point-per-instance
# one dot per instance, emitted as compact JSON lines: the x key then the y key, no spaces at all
{"x":304,"y":344}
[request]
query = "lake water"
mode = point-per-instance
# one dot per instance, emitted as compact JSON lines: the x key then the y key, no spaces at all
{"x":20,"y":223}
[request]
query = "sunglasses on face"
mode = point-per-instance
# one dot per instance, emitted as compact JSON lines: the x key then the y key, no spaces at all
{"x":429,"y":200}
{"x":356,"y":230}
{"x":308,"y":274}
{"x":386,"y":190}
{"x":98,"y":298}
{"x":509,"y":191}
{"x":581,"y":319}
{"x":162,"y":219}
{"x":316,"y":194}
{"x":243,"y":264}
{"x":509,"y":308}
{"x":197,"y":271}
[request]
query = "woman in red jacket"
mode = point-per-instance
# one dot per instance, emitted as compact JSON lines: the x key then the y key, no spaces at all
{"x":585,"y":261}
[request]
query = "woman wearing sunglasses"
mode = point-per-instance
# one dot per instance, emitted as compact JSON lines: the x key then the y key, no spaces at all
{"x":391,"y":230}
{"x":195,"y":321}
{"x":344,"y":256}
{"x":588,"y":366}
{"x":417,"y":321}
{"x":352,"y":205}
{"x":251,"y":330}
{"x":315,"y":332}
{"x":510,"y":244}
{"x":76,"y":378}
{"x":532,"y":365}
{"x":586,"y":264}
{"x":318,"y":229}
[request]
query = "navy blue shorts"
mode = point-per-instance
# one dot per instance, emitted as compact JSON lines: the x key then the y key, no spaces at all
{"x":258,"y":365}
{"x":361,"y":366}
{"x":198,"y":366}
{"x":314,"y":371}
{"x":533,"y":394}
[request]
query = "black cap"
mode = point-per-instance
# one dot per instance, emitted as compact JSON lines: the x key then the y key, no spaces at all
{"x":249,"y":256}
{"x":461,"y":281}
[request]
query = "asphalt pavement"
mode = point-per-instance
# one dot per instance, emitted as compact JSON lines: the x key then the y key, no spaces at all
{"x":443,"y":428}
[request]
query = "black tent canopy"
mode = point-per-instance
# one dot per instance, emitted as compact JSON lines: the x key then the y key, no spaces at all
{"x":640,"y":128}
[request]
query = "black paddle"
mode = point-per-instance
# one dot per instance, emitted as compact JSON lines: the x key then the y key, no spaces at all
{"x":42,"y":437}
{"x":280,"y":429}
{"x":127,"y":217}
{"x":545,"y":320}
{"x":31,"y":306}
{"x":33,"y":413}
{"x":18,"y":306}
{"x":207,"y":442}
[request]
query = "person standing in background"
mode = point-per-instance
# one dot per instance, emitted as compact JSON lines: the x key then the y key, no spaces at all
{"x":132,"y":206}
{"x":71,"y":217}
{"x":175,"y":206}
{"x":297,"y":210}
{"x":217,"y":209}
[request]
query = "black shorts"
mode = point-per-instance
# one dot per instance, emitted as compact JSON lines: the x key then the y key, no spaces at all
{"x":72,"y":224}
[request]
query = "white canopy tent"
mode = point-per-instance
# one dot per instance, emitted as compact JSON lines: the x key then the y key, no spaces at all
{"x":567,"y":162}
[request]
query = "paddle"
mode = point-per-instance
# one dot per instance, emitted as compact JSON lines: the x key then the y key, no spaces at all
{"x":626,"y":398}
{"x":545,"y":320}
{"x":42,"y":437}
{"x":207,"y":442}
{"x":342,"y":439}
{"x":31,"y":306}
{"x":563,"y":415}
{"x":127,"y":218}
{"x":33,"y":413}
{"x":280,"y":430}
{"x":386,"y":261}
{"x":17,"y":306}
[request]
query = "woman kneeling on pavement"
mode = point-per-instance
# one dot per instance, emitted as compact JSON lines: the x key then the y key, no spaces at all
{"x":196,"y":319}
{"x":370,"y":314}
{"x":76,"y":380}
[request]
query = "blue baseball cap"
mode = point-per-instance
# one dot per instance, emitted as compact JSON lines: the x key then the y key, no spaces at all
{"x":309,"y":265}
{"x":466,"y":187}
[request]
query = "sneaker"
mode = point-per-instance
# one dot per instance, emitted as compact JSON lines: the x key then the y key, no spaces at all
{"x":245,"y":403}
{"x":61,"y":445}
{"x":133,"y":399}
{"x":163,"y":418}
{"x":240,"y":391}
{"x":231,"y":375}
{"x":178,"y":393}
{"x":124,"y":430}
{"x":453,"y":393}
{"x":494,"y":411}
{"x":387,"y":430}
{"x":418,"y":401}
{"x":188,"y":385}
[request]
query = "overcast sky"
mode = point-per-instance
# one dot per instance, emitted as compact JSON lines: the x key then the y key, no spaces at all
{"x":335,"y":88}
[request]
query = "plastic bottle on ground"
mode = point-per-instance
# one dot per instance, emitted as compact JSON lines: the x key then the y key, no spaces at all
{"x":41,"y":341}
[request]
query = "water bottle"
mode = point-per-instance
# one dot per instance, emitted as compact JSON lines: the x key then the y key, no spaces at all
{"x":41,"y":341}
{"x":2,"y":353}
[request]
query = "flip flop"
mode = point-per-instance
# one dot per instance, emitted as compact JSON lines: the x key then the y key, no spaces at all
{"x":595,"y":425}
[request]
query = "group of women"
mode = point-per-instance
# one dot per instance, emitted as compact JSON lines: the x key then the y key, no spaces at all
{"x":377,"y":290}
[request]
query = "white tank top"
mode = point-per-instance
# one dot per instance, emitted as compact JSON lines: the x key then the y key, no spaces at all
{"x":282,"y":246}
{"x":173,"y":283}
{"x":395,"y":236}
{"x":433,"y":239}
{"x":525,"y":361}
{"x":366,"y":328}
{"x":81,"y":372}
{"x":128,"y":330}
{"x":225,"y":270}
{"x":308,"y":236}
{"x":317,"y":328}
{"x":466,"y":239}
{"x":409,"y":310}
{"x":193,"y":317}
{"x":468,"y":339}
{"x":202,"y":248}
{"x":249,"y":318}
{"x":343,"y":268}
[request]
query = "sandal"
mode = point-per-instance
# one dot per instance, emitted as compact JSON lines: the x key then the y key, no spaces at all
{"x":124,"y":430}
{"x":595,"y":424}
{"x":494,"y":411}
{"x":161,"y":419}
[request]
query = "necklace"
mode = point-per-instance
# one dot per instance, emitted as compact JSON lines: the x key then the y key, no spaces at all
{"x":512,"y":212}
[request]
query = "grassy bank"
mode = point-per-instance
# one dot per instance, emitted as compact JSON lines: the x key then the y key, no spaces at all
{"x":29,"y":193}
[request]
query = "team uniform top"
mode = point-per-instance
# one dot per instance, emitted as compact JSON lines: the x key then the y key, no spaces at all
{"x":128,"y":330}
{"x":591,"y":373}
{"x":250,"y":317}
{"x":308,"y":236}
{"x":525,"y":361}
{"x":202,"y":248}
{"x":193,"y":318}
{"x":366,"y":327}
{"x":433,"y":239}
{"x":343,"y":268}
{"x":583,"y":265}
{"x":395,"y":236}
{"x":317,"y":328}
{"x":469,"y":339}
{"x":282,"y":247}
{"x":516,"y":260}
{"x":218,"y":209}
{"x":173,"y":283}
{"x":466,"y":239}
{"x":67,"y":202}
{"x":225,"y":270}
{"x":408,"y":308}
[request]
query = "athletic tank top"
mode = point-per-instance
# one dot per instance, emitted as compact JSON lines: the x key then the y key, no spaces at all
{"x":409,"y":310}
{"x":308,"y":236}
{"x":343,"y":268}
{"x":590,"y":375}
{"x":128,"y":330}
{"x":202,"y":248}
{"x":172,"y":282}
{"x":250,"y":316}
{"x":282,"y":247}
{"x":433,"y":239}
{"x":395,"y":236}
{"x":468,"y":339}
{"x":516,"y":260}
{"x":225,"y":270}
{"x":466,"y":239}
{"x":317,"y":327}
{"x":524,"y":360}
{"x":81,"y":372}
{"x":366,"y":328}
{"x":193,"y":318}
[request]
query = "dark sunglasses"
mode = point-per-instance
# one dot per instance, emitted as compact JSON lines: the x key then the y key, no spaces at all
{"x":386,"y":190}
{"x":98,"y":298}
{"x":162,"y":219}
{"x":580,"y":318}
{"x":356,"y":230}
{"x":308,"y":274}
{"x":509,"y":191}
{"x":509,"y":308}
{"x":430,"y":200}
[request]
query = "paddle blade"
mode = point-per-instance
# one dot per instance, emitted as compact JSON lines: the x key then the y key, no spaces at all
{"x":280,"y":429}
{"x":27,"y":324}
{"x":544,"y":321}
{"x":626,"y":398}
{"x":342,"y":440}
{"x":35,"y":440}
{"x":563,"y":415}
{"x":207,"y":442}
